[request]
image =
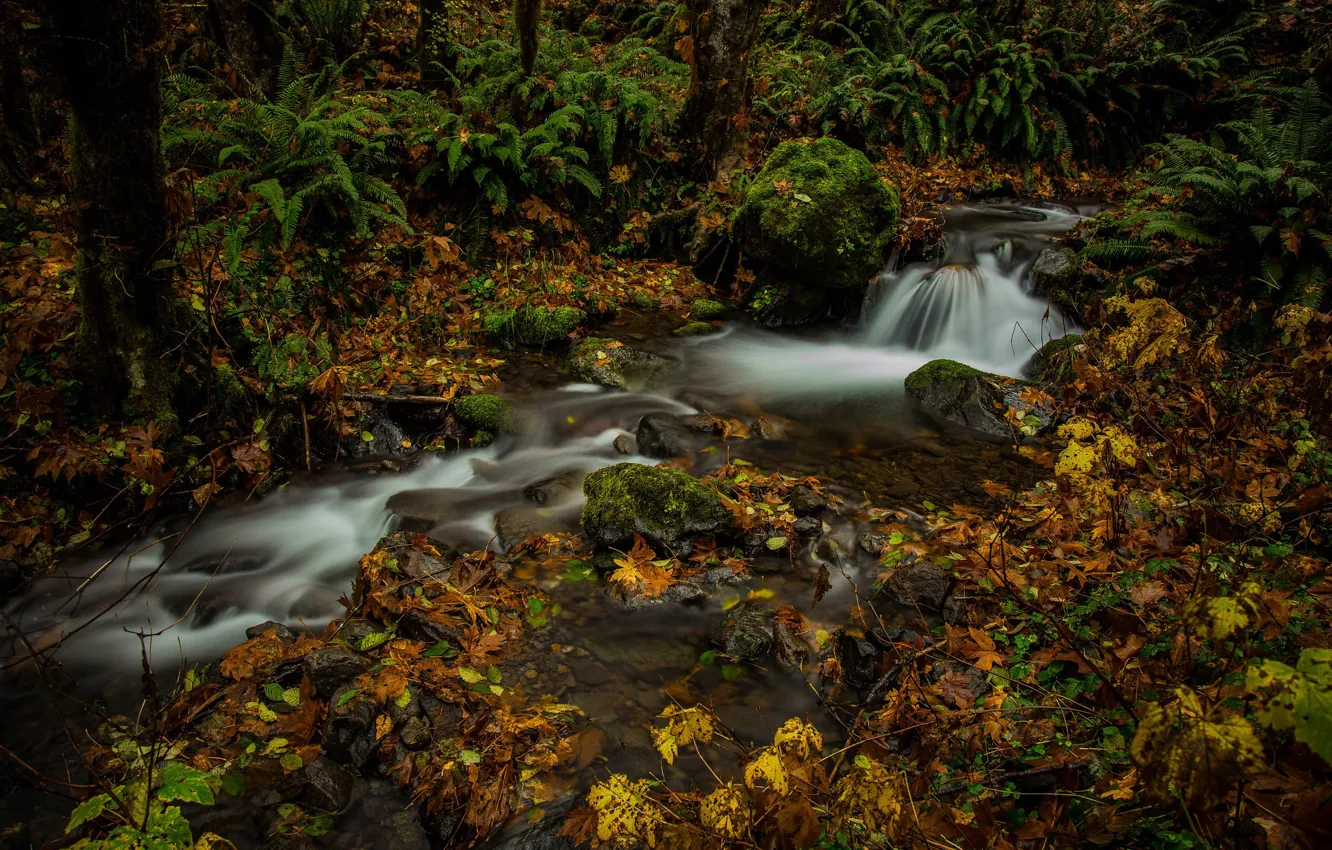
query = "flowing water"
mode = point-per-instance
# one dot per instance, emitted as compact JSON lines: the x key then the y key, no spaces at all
{"x":194,"y":589}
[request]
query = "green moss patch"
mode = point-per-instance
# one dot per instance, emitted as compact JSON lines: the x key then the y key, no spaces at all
{"x":665,"y":506}
{"x":532,"y":325}
{"x":483,"y":413}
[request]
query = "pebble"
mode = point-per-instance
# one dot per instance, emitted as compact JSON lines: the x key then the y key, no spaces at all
{"x":530,"y":674}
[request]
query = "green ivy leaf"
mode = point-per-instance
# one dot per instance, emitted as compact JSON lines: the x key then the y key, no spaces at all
{"x":89,"y":809}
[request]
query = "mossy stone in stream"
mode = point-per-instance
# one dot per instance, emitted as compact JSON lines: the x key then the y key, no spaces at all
{"x":695,"y":329}
{"x":958,"y":393}
{"x":1054,"y":360}
{"x":483,"y":414}
{"x":532,"y":325}
{"x":665,"y":506}
{"x":613,"y":364}
{"x":818,"y":214}
{"x":705,"y":310}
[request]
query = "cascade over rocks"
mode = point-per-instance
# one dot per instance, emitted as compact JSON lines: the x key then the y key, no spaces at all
{"x":665,"y":506}
{"x":818,"y":215}
{"x":957,"y":393}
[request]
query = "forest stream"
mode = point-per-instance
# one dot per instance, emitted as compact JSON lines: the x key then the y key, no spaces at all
{"x":826,"y":403}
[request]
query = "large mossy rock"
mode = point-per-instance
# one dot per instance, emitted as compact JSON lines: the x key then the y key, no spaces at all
{"x":613,"y":364}
{"x":957,"y":393}
{"x":818,"y":214}
{"x":665,"y":506}
{"x":1053,"y":362}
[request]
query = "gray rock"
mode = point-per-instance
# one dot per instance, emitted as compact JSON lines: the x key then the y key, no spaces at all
{"x":386,"y":436}
{"x":424,"y":567}
{"x":1054,"y":268}
{"x":556,"y":489}
{"x":918,"y":584}
{"x":330,"y":667}
{"x":624,"y":444}
{"x":282,"y":633}
{"x":746,"y":633}
{"x":415,"y":734}
{"x":611,"y":364}
{"x":541,"y":833}
{"x":418,"y":625}
{"x":403,"y":831}
{"x":965,"y":396}
{"x":355,"y":630}
{"x":857,"y":657}
{"x":327,"y":785}
{"x":513,"y":526}
{"x":957,"y":609}
{"x":662,"y":435}
{"x":349,"y":731}
{"x":444,"y":717}
{"x":808,"y":526}
{"x":790,"y":648}
{"x":873,"y":542}
{"x":805,"y":501}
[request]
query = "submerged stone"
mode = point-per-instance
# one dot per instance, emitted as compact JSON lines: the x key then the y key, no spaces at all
{"x":665,"y":506}
{"x":613,"y":364}
{"x":818,"y":214}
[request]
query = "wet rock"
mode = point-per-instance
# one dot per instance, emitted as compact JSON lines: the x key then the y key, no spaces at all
{"x":806,"y":501}
{"x":1054,"y":269}
{"x":418,"y":625}
{"x":282,"y":633}
{"x":835,"y":226}
{"x":327,"y":785}
{"x":903,"y":489}
{"x":624,"y":444}
{"x":330,"y":667}
{"x":557,"y":488}
{"x":402,"y":830}
{"x":808,"y":526}
{"x":662,"y":435}
{"x":614,"y":364}
{"x":349,"y":731}
{"x":705,"y":310}
{"x":918,"y":584}
{"x":538,"y":833}
{"x":780,"y":305}
{"x":513,"y":526}
{"x":289,"y":841}
{"x":969,"y":397}
{"x":400,"y":714}
{"x":790,"y":648}
{"x":666,"y":506}
{"x":423,"y":566}
{"x":415,"y":734}
{"x":873,"y":542}
{"x":746,"y":633}
{"x":857,"y":657}
{"x":531,"y":325}
{"x":445,"y":827}
{"x":355,"y":630}
{"x":444,"y":717}
{"x":1053,"y":362}
{"x":386,"y":436}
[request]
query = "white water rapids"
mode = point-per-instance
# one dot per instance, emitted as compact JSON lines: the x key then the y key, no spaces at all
{"x":290,"y":556}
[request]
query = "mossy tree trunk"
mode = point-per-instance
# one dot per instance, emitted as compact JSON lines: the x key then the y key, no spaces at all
{"x":102,"y":51}
{"x":435,"y":56}
{"x":247,"y":31}
{"x":722,"y":32}
{"x":526,"y":20}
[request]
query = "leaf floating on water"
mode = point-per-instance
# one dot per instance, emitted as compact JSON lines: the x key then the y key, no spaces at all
{"x":822,"y":583}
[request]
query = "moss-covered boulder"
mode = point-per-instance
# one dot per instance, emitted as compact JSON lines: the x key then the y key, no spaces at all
{"x":959,"y":394}
{"x":782,"y":305}
{"x":818,"y":214}
{"x":613,"y":364}
{"x":705,"y":310}
{"x":532,"y":325}
{"x":666,"y":506}
{"x":487,"y":414}
{"x":695,"y":329}
{"x":1053,"y":362}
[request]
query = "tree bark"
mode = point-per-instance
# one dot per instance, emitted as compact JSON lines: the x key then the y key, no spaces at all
{"x":435,"y":56}
{"x":246,"y":30}
{"x":722,"y":32}
{"x":526,"y":18}
{"x":102,"y":52}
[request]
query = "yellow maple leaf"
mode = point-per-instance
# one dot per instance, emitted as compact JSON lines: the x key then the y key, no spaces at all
{"x":769,"y":768}
{"x":684,"y":726}
{"x":725,"y":812}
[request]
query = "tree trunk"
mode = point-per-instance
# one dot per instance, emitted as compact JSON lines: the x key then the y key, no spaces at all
{"x":102,"y":52}
{"x":721,"y":35}
{"x":246,"y":30}
{"x":526,"y":18}
{"x":435,"y":56}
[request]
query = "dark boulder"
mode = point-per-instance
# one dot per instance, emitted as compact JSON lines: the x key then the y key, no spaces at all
{"x":746,"y":633}
{"x":662,"y":435}
{"x":331,"y":667}
{"x":959,"y":394}
{"x":328,"y":786}
{"x":280,"y":631}
{"x":806,"y":501}
{"x":919,"y":584}
{"x":349,"y":731}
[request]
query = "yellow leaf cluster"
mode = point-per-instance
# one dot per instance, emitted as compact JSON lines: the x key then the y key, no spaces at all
{"x":872,"y":796}
{"x":769,"y":769}
{"x":625,"y":814}
{"x":725,"y":812}
{"x":798,"y":739}
{"x":1222,"y":616}
{"x":1155,"y":331}
{"x":1185,"y":753}
{"x":684,"y":726}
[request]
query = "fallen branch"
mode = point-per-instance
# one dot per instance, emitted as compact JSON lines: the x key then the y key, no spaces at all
{"x":372,"y":398}
{"x":991,"y":782}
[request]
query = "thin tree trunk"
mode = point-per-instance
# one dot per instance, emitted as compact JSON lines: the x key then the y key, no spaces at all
{"x":435,"y":56}
{"x":722,"y":32}
{"x":246,"y":30}
{"x":102,"y":51}
{"x":526,"y":18}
